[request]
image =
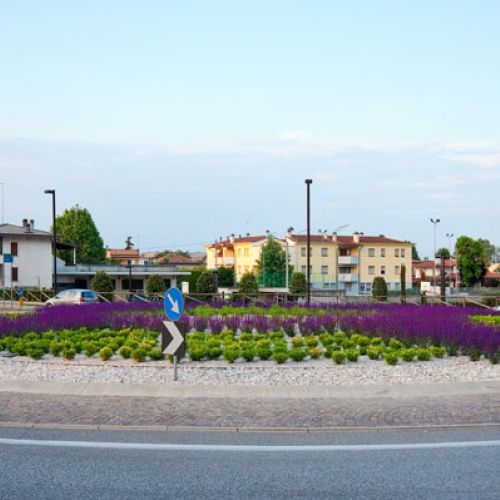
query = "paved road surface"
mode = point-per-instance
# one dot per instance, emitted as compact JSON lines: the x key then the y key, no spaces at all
{"x":434,"y":464}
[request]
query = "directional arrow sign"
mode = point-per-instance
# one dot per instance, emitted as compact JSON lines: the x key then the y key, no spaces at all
{"x":173,"y":304}
{"x":172,"y":339}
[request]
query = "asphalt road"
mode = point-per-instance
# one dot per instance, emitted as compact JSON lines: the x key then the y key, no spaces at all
{"x":55,"y":464}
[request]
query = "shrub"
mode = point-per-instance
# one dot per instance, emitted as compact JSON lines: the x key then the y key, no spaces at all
{"x":298,"y":284}
{"x":423,"y":354}
{"x":362,"y":350}
{"x":326,"y":339}
{"x":231,"y":355}
{"x":474,"y":354}
{"x":139,"y":355}
{"x":364,"y":341}
{"x":373,"y":353}
{"x":35,"y":353}
{"x":214,"y":352}
{"x":68,"y":354}
{"x":298,"y":342}
{"x":379,"y":289}
{"x":125,"y":352}
{"x":338,"y":357}
{"x":339,"y":337}
{"x":264,"y":343}
{"x":438,"y":352}
{"x":277,"y":335}
{"x":280,"y":346}
{"x":408,"y":354}
{"x":248,"y":284}
{"x":391,"y":358}
{"x":102,"y":282}
{"x":352,"y":354}
{"x":155,"y":284}
{"x":312,"y":341}
{"x":395,"y":344}
{"x":105,"y":353}
{"x":297,"y":354}
{"x":197,"y":352}
{"x":246,"y":336}
{"x":376,"y":341}
{"x":280,"y":356}
{"x":315,"y":352}
{"x":452,"y":350}
{"x":156,"y":354}
{"x":347,"y":344}
{"x":248,"y":354}
{"x":264,"y":352}
{"x":206,"y":283}
{"x":55,"y":348}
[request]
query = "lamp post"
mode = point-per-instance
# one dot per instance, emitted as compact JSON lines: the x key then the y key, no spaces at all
{"x":449,"y":236}
{"x":3,"y":201}
{"x":54,"y":234}
{"x":129,"y":265}
{"x":435,"y":222}
{"x":308,"y":253}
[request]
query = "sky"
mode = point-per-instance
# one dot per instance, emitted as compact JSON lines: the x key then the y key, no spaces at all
{"x":179,"y":122}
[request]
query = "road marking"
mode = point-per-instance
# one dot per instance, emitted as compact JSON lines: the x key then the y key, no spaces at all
{"x":227,"y":447}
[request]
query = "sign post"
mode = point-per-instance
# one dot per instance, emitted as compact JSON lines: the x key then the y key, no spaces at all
{"x":172,"y":333}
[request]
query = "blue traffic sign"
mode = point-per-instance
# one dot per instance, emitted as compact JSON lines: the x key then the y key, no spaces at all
{"x":8,"y":258}
{"x":173,"y":304}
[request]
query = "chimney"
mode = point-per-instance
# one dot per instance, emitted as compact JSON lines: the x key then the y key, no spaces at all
{"x":334,"y":237}
{"x":231,"y":238}
{"x":289,"y":232}
{"x":355,"y":237}
{"x":24,"y":223}
{"x":32,"y":224}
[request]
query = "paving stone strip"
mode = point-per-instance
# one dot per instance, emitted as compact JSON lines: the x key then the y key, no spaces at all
{"x":25,"y":408}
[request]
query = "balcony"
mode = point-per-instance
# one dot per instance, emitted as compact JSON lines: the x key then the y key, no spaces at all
{"x":348,"y":278}
{"x":351,"y":260}
{"x":225,"y":261}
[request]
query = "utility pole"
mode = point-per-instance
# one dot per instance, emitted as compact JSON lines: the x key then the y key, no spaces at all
{"x":435,"y":222}
{"x":54,"y":234}
{"x":308,"y":253}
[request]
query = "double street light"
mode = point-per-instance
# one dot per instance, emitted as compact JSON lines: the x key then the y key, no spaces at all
{"x":308,"y":184}
{"x":435,"y":222}
{"x":54,"y":234}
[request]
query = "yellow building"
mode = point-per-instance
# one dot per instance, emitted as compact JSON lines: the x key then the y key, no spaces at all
{"x":345,"y":263}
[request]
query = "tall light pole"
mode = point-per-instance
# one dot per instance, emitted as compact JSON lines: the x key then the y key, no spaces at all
{"x":435,"y":222}
{"x":449,"y":236}
{"x":308,"y":253}
{"x":289,"y":232}
{"x":54,"y":234}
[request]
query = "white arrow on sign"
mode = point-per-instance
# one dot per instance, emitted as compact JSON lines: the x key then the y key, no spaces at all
{"x":177,"y":338}
{"x":174,"y":304}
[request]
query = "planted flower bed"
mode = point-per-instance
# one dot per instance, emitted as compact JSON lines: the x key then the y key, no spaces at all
{"x":390,"y":332}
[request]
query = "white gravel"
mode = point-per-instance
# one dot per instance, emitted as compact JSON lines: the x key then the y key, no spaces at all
{"x":309,"y":372}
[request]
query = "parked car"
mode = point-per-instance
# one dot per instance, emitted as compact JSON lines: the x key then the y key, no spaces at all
{"x":73,"y":296}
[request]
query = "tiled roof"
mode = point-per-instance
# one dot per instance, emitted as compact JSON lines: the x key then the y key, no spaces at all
{"x":421,"y":264}
{"x":345,"y":240}
{"x":12,"y":229}
{"x":491,"y":275}
{"x":121,"y":253}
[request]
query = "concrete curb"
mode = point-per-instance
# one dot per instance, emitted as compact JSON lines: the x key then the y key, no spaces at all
{"x":179,"y":391}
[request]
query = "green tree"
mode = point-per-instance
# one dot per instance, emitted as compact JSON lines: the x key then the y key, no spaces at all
{"x":470,"y":260}
{"x":192,"y":279}
{"x":272,"y":263}
{"x":414,"y":253}
{"x":225,"y":276}
{"x":206,"y":283}
{"x":248,"y":284}
{"x":128,"y":243}
{"x":76,"y":226}
{"x":298,"y":284}
{"x":379,"y":288}
{"x":402,"y":280}
{"x":443,"y":251}
{"x":489,"y":251}
{"x":102,"y":283}
{"x":155,"y":284}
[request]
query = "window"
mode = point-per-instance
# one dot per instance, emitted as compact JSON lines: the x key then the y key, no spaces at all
{"x":396,"y":252}
{"x":345,"y":252}
{"x":402,"y":253}
{"x":13,"y":248}
{"x":303,"y":269}
{"x":245,"y":252}
{"x":371,"y":252}
{"x":303,"y":251}
{"x":396,"y":270}
{"x":382,"y":252}
{"x":324,"y":252}
{"x":239,"y":252}
{"x":15,"y":274}
{"x":371,"y":269}
{"x":382,"y":269}
{"x":324,"y":269}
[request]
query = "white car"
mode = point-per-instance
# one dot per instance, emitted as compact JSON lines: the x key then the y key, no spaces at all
{"x":73,"y":296}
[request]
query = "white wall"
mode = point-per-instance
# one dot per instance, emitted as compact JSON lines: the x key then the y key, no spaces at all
{"x":33,"y":261}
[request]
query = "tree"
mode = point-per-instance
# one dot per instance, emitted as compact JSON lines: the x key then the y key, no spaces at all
{"x":272,"y":264}
{"x":489,"y":251}
{"x":225,"y":276}
{"x":102,"y":283}
{"x":128,"y":243}
{"x":379,"y":288}
{"x":414,"y":253}
{"x":298,"y":284}
{"x":206,"y":283}
{"x":248,"y":284}
{"x":470,"y":260}
{"x":155,"y":284}
{"x":402,"y":280}
{"x":443,"y":251}
{"x":76,"y":226}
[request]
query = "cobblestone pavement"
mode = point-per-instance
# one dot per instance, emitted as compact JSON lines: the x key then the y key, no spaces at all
{"x":227,"y":412}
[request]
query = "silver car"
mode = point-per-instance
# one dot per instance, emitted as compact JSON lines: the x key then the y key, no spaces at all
{"x":73,"y":296}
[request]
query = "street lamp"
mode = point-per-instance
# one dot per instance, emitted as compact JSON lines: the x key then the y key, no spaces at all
{"x":435,"y":222}
{"x":54,"y":234}
{"x":308,"y":253}
{"x":449,"y":236}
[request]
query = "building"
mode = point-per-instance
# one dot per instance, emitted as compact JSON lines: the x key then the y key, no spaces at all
{"x":240,"y":253}
{"x":347,"y":264}
{"x":123,"y":257}
{"x":423,"y":270}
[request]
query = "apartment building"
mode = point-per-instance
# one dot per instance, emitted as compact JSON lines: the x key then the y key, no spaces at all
{"x":340,"y":263}
{"x":350,"y":263}
{"x":423,"y":270}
